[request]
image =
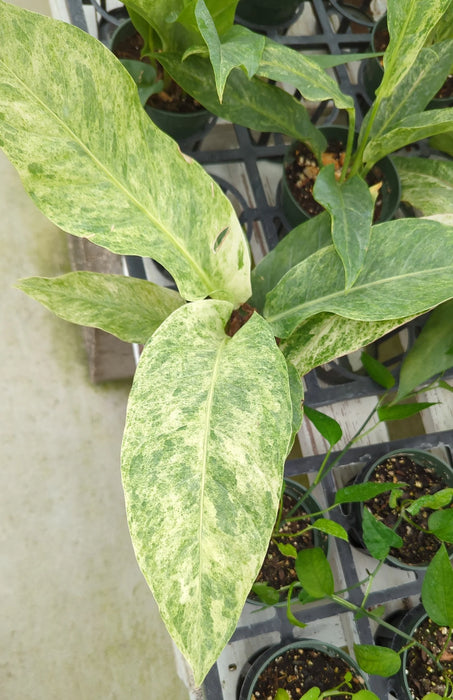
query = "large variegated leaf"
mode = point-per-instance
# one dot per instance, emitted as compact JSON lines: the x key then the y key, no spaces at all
{"x":410,"y":129}
{"x":410,"y":24}
{"x":92,"y":160}
{"x":298,"y":244}
{"x":127,"y":307}
{"x":350,"y":206}
{"x":208,"y":427}
{"x":250,"y":102}
{"x":282,"y":63}
{"x":408,"y":269}
{"x":326,"y":336}
{"x":443,"y":142}
{"x":426,"y":183}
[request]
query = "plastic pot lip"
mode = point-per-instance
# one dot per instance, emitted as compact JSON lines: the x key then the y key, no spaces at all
{"x":353,"y":14}
{"x":411,"y":620}
{"x":295,"y":487}
{"x":421,"y":457}
{"x":264,"y":658}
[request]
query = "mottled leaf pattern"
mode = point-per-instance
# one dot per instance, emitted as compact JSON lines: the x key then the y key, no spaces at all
{"x":127,"y":307}
{"x":208,"y":428}
{"x":90,"y":163}
{"x":426,"y":183}
{"x":391,"y":283}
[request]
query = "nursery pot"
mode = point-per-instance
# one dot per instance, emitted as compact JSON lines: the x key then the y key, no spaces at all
{"x":267,"y":12}
{"x":316,"y":651}
{"x":357,"y":11}
{"x":390,"y":190}
{"x":178,"y":125}
{"x":426,"y":461}
{"x":319,"y":539}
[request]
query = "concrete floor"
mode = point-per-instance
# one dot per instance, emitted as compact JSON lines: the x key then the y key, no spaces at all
{"x":78,"y":620}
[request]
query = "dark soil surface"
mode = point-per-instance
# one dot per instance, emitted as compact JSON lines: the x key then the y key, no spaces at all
{"x":302,"y":171}
{"x":419,"y":546}
{"x":298,"y":670}
{"x":173,"y":99}
{"x":423,"y":675}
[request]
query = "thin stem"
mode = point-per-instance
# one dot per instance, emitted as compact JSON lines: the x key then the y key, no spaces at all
{"x":349,"y":144}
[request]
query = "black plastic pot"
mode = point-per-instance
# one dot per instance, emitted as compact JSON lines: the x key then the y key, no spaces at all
{"x":177,"y":125}
{"x":424,"y":459}
{"x":310,"y":505}
{"x":263,"y":660}
{"x":357,"y":11}
{"x":267,"y":12}
{"x":391,"y":186}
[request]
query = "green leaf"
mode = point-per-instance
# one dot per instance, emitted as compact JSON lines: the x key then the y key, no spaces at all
{"x":445,"y":385}
{"x":144,"y":75}
{"x":330,"y":527}
{"x":283,"y":64}
{"x":267,"y":594}
{"x":400,"y":411}
{"x":282,"y":694}
{"x":312,"y":694}
{"x":364,"y":695}
{"x":443,"y":142}
{"x":437,"y":587}
{"x":441,"y":524}
{"x":390,"y":284}
{"x":426,"y":183}
{"x":432,"y":696}
{"x":62,"y":126}
{"x":250,"y":102}
{"x":324,"y":337}
{"x":413,"y":127}
{"x":127,"y":307}
{"x":207,"y":432}
{"x":431,"y":352}
{"x":221,"y":11}
{"x":314,"y":573}
{"x":238,"y":47}
{"x":378,"y":538}
{"x":327,"y":426}
{"x":297,"y":395}
{"x":350,"y":206}
{"x":437,"y":500}
{"x":377,"y":371}
{"x":377,"y":660}
{"x":297,"y":245}
{"x":288,"y":550}
{"x":358,"y":493}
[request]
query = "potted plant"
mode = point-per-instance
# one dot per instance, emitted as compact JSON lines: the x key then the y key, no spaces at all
{"x":211,"y":415}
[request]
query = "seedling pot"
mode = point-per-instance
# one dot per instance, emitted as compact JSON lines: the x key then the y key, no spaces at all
{"x":339,"y":659}
{"x":178,"y":125}
{"x":424,"y":460}
{"x":267,"y":12}
{"x":390,"y":190}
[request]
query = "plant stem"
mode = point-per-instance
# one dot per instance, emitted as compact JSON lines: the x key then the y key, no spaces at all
{"x":349,"y":145}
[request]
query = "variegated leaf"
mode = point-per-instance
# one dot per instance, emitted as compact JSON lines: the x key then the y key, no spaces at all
{"x":426,"y":183}
{"x":208,"y":428}
{"x":127,"y":307}
{"x":392,"y":283}
{"x":325,"y":336}
{"x":92,"y":160}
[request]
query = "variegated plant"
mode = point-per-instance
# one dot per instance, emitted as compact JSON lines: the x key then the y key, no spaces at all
{"x":211,"y":416}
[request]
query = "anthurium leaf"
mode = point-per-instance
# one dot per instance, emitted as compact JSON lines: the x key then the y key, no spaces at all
{"x":327,"y":426}
{"x":267,"y":594}
{"x":356,"y":493}
{"x":403,"y":410}
{"x":441,"y":523}
{"x":409,"y":129}
{"x":281,"y":63}
{"x":238,"y":47}
{"x":221,"y":11}
{"x":60,"y":125}
{"x":250,"y":102}
{"x":127,"y":307}
{"x":325,"y":336}
{"x":377,"y":371}
{"x":350,"y":206}
{"x":314,"y":572}
{"x":437,"y":500}
{"x":443,"y":142}
{"x":331,"y":60}
{"x":426,"y":183}
{"x":330,"y":527}
{"x":378,"y":538}
{"x":144,"y":75}
{"x":391,"y":283}
{"x":207,"y":432}
{"x":377,"y":660}
{"x":298,"y":244}
{"x":437,"y":587}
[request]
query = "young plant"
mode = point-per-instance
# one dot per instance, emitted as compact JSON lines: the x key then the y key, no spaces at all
{"x":211,"y":415}
{"x":341,"y":689}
